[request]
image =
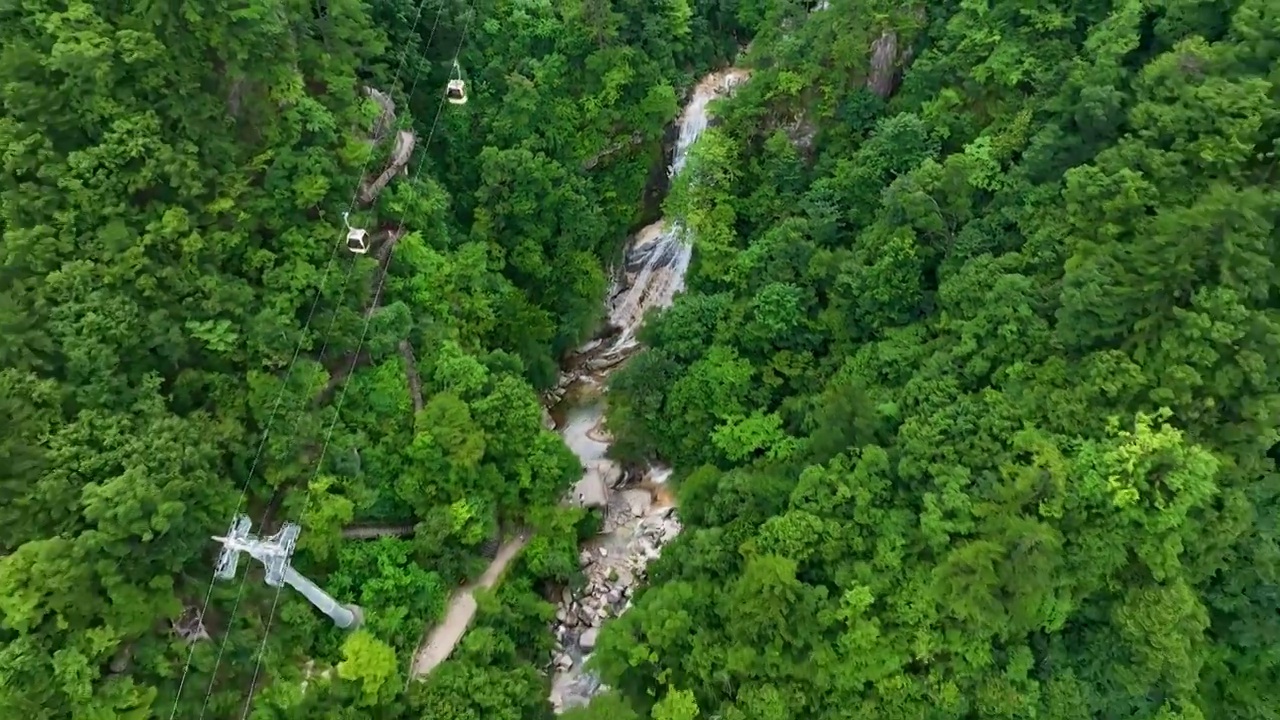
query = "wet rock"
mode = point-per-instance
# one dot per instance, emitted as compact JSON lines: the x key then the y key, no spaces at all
{"x":611,"y":473}
{"x":589,"y":348}
{"x":591,"y":491}
{"x":602,"y":363}
{"x":568,"y":692}
{"x":625,"y":578}
{"x":638,"y":501}
{"x":607,"y":472}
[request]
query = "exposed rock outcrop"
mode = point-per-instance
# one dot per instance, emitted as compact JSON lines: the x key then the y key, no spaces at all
{"x":386,"y":118}
{"x":190,"y":625}
{"x":598,"y":479}
{"x":885,"y":72}
{"x":387,"y":243}
{"x":890,"y":55}
{"x":405,"y":141}
{"x":639,"y":517}
{"x":122,"y":661}
{"x":590,"y":163}
{"x":399,"y":162}
{"x":372,"y":532}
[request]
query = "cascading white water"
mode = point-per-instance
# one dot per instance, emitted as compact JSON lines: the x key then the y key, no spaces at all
{"x":658,"y":257}
{"x":639,"y":520}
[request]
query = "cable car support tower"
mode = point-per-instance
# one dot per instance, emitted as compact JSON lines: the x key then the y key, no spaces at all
{"x":274,"y":553}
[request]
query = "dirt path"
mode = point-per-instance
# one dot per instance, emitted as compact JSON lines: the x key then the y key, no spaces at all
{"x":372,"y":532}
{"x":444,"y":637}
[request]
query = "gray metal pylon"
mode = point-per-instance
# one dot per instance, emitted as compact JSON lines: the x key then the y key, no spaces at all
{"x":232,"y":545}
{"x":275,"y":553}
{"x":280,"y":547}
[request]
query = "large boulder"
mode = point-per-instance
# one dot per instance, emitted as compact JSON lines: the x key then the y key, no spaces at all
{"x":591,"y":491}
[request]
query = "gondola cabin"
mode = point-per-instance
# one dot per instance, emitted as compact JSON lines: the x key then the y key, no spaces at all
{"x":358,"y":240}
{"x":456,"y":93}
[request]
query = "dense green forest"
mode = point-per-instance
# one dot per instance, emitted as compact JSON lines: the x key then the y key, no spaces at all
{"x":975,"y":388}
{"x":175,"y":284}
{"x":972,"y":398}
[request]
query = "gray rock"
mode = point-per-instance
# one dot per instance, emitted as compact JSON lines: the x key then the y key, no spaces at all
{"x":591,"y":491}
{"x":639,"y":501}
{"x":611,"y":472}
{"x":588,"y":640}
{"x":625,"y":578}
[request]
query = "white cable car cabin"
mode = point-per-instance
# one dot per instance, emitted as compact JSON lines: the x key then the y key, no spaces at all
{"x":456,"y":93}
{"x":358,"y":240}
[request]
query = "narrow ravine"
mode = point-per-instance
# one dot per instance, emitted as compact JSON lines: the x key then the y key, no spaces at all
{"x":639,"y":513}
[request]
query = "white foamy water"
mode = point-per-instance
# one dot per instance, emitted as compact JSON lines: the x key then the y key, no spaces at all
{"x":658,"y":257}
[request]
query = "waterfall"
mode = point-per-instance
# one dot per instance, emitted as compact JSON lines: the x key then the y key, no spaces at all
{"x":639,"y":516}
{"x":658,"y":257}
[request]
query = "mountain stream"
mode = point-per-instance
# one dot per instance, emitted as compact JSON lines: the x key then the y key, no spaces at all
{"x":639,"y":511}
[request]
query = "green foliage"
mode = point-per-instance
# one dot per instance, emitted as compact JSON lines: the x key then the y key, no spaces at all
{"x":398,"y":596}
{"x":973,"y":394}
{"x":974,"y":391}
{"x":180,"y":323}
{"x":371,"y":663}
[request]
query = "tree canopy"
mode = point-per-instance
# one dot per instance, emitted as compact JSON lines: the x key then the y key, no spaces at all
{"x":972,"y":397}
{"x":185,"y":335}
{"x":974,"y":390}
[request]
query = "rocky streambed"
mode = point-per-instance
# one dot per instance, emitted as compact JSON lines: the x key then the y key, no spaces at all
{"x":614,"y":565}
